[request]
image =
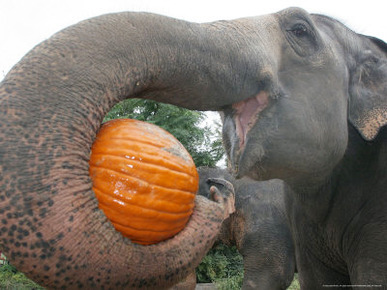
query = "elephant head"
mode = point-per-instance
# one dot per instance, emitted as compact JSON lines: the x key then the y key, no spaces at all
{"x":258,"y":228}
{"x":318,"y":122}
{"x":316,"y":76}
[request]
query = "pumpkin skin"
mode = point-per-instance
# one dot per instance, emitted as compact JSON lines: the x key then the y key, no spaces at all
{"x":144,"y":179}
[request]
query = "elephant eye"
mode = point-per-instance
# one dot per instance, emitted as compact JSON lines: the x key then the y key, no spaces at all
{"x":299,"y":30}
{"x":302,"y":36}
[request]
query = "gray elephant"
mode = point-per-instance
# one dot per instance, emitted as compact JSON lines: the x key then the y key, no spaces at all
{"x":306,"y":74}
{"x":259,"y":228}
{"x":318,"y":122}
{"x":51,"y":106}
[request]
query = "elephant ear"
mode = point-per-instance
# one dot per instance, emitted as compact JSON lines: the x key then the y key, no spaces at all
{"x":368,"y":90}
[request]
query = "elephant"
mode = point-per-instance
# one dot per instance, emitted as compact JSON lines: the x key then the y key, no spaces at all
{"x":318,"y":123}
{"x":52,"y":103}
{"x":258,"y":228}
{"x":53,"y":100}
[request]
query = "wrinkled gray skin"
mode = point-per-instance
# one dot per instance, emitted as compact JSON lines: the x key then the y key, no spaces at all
{"x":319,"y":124}
{"x":51,"y":106}
{"x":259,"y":228}
{"x":312,"y":67}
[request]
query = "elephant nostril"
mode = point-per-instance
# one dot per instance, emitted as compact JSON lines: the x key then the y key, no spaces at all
{"x":246,"y":114}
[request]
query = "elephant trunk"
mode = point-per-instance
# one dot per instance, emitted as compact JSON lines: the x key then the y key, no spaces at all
{"x":51,"y":106}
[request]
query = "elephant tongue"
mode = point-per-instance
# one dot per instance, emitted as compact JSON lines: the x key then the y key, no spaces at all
{"x":246,"y":114}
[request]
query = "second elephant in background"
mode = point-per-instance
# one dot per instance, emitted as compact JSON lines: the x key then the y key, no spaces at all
{"x":258,"y":228}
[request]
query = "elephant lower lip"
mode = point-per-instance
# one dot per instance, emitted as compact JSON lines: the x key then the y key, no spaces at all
{"x":246,"y":114}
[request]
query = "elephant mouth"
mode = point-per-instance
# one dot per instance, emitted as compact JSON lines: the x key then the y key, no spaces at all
{"x":246,"y":114}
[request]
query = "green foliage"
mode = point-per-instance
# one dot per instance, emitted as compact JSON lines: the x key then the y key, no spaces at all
{"x":10,"y":278}
{"x":295,"y":284}
{"x":204,"y":144}
{"x":232,"y":283}
{"x":222,"y":265}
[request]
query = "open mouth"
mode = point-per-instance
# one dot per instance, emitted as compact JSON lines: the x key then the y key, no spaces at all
{"x":246,"y":114}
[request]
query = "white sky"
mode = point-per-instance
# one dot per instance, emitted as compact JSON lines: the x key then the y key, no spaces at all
{"x":25,"y":23}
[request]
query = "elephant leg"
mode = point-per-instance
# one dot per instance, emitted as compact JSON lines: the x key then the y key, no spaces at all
{"x":268,"y":263}
{"x":313,"y":274}
{"x":367,"y":251}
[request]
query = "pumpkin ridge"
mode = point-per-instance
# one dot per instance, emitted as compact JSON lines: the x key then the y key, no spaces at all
{"x":142,"y":223}
{"x":150,"y":158}
{"x":175,"y":164}
{"x":142,"y":140}
{"x":174,"y":196}
{"x":147,"y":162}
{"x":125,"y":196}
{"x":134,"y":204}
{"x":153,"y":183}
{"x":176,"y":190}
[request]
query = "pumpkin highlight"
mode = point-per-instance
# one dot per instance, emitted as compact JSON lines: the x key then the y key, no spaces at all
{"x":144,"y":179}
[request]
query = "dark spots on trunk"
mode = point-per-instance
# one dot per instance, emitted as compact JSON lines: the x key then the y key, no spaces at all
{"x":43,"y":212}
{"x":12,"y":230}
{"x":79,"y":284}
{"x":8,"y":90}
{"x":50,"y":202}
{"x":168,"y":276}
{"x":64,"y":258}
{"x":16,"y":255}
{"x":67,"y":165}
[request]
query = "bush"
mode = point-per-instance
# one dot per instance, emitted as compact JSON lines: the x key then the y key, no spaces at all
{"x":10,"y":278}
{"x":295,"y":284}
{"x":222,"y":265}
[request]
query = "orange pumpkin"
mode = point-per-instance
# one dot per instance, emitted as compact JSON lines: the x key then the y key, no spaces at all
{"x":144,"y":179}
